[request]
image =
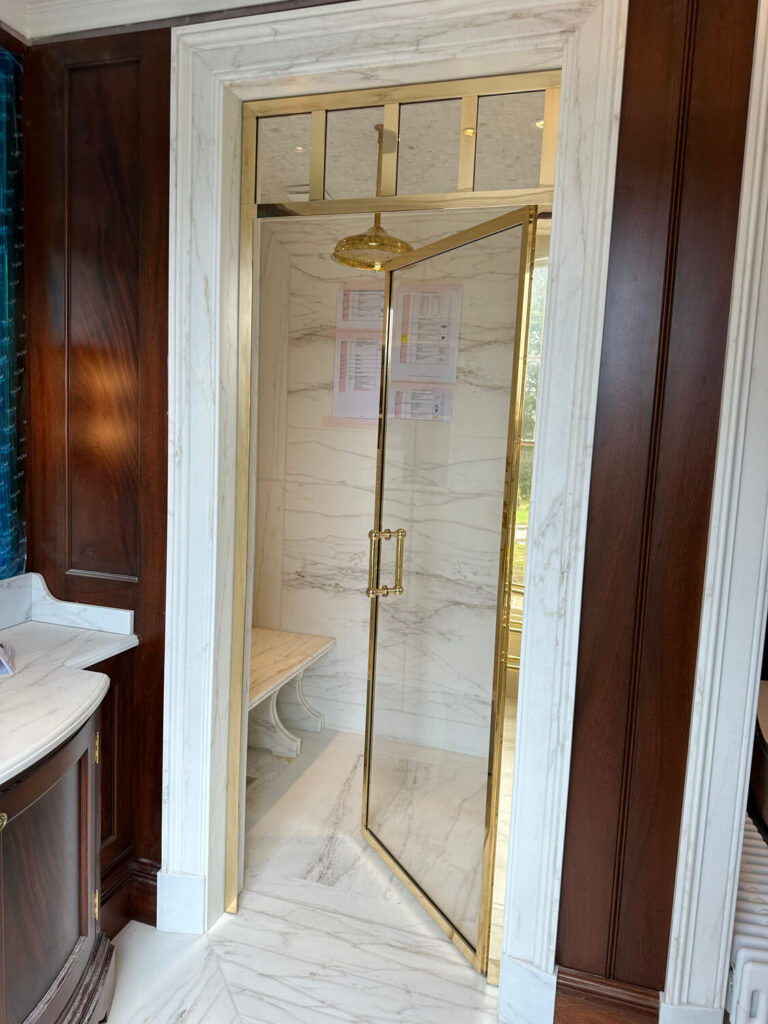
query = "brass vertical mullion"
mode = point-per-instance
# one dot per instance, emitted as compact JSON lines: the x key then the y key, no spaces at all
{"x":317,"y":155}
{"x":501,"y":682}
{"x":549,"y":140}
{"x":242,"y":511}
{"x":387,"y":185}
{"x":467,"y":144}
{"x":386,"y":355}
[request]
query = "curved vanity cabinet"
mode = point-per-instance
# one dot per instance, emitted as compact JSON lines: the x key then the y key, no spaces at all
{"x":55,"y":965}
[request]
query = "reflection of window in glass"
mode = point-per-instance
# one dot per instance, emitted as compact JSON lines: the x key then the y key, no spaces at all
{"x":533,"y":362}
{"x":508,"y":153}
{"x":282,"y":160}
{"x":352,"y":152}
{"x":428,"y":159}
{"x":530,"y":401}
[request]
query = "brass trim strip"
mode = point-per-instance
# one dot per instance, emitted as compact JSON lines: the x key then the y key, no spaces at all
{"x":240,"y":634}
{"x":317,"y":156}
{"x":413,"y":887}
{"x":386,"y":360}
{"x":504,"y":677}
{"x":474,"y":234}
{"x":454,"y":89}
{"x":549,"y":141}
{"x":467,"y":144}
{"x":539,"y":196}
{"x":390,"y":150}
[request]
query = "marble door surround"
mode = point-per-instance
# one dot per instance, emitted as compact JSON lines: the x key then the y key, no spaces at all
{"x":362,"y":44}
{"x":347,"y":46}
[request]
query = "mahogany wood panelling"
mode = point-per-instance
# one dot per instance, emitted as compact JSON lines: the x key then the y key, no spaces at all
{"x":40,"y":931}
{"x":54,"y":964}
{"x":103,"y":390}
{"x":682,"y":132}
{"x":586,"y":999}
{"x":10,"y":42}
{"x":116,"y":743}
{"x":96,"y":171}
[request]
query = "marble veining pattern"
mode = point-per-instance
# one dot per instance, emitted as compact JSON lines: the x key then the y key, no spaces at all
{"x":49,"y":696}
{"x":326,"y":50}
{"x":27,"y":597}
{"x":324,"y":933}
{"x":444,"y":484}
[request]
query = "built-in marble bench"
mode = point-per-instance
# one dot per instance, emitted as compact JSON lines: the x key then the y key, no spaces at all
{"x":279,"y":660}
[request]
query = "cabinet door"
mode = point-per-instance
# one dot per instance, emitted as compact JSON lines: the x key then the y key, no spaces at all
{"x":47,"y":882}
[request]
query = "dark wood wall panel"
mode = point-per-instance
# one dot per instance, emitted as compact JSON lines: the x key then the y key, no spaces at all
{"x":10,"y":42}
{"x":97,"y":147}
{"x":612,"y":570}
{"x":706,"y":241}
{"x":681,"y":145}
{"x":103,"y":225}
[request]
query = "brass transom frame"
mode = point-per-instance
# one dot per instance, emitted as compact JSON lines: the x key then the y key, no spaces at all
{"x":505,"y":674}
{"x":468,"y":90}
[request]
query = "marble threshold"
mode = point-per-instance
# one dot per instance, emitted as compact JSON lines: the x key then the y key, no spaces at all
{"x":324,"y":932}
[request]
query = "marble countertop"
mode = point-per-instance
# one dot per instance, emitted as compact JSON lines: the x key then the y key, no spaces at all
{"x":50,"y":696}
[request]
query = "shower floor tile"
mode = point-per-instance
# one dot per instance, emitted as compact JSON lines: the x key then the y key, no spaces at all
{"x":324,"y":933}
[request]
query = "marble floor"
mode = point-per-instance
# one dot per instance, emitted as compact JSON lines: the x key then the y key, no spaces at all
{"x":324,"y":932}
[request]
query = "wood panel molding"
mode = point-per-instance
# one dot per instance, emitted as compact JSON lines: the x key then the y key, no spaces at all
{"x":681,"y":145}
{"x":12,"y":43}
{"x":97,"y":150}
{"x":590,"y":999}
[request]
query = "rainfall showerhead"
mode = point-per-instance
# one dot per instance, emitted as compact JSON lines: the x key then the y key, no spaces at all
{"x":374,"y":248}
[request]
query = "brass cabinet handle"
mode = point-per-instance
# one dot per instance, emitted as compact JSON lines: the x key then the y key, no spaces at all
{"x":373,"y":561}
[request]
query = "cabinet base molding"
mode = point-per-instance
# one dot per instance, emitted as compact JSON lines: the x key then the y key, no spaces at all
{"x":128,"y":893}
{"x":93,"y":998}
{"x":590,"y":999}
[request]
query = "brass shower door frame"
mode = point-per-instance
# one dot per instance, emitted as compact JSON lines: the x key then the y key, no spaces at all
{"x":465,"y":197}
{"x":504,"y":674}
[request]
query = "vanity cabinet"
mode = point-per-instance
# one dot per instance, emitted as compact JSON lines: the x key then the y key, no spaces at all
{"x":56,"y":966}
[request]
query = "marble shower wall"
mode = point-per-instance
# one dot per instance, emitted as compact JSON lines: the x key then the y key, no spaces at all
{"x":316,"y":487}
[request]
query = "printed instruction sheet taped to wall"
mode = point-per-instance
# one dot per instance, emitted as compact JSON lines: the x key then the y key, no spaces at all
{"x":427,"y":318}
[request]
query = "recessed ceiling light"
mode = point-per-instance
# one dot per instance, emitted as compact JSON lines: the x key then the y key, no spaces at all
{"x":299,"y":149}
{"x":468,"y":131}
{"x":539,"y":123}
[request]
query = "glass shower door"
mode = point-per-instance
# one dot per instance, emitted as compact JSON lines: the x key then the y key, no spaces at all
{"x":440,"y":560}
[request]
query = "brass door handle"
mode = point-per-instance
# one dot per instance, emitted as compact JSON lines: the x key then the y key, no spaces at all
{"x":373,"y":561}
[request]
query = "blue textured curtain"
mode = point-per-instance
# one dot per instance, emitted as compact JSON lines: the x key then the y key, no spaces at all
{"x":12,"y":433}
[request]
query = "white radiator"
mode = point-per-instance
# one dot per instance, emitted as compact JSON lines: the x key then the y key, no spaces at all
{"x":748,"y":991}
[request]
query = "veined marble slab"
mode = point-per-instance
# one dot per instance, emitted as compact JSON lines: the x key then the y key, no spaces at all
{"x":27,"y":597}
{"x":277,"y":656}
{"x":49,"y":697}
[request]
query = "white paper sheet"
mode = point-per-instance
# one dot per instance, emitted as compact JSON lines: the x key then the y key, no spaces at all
{"x":408,"y":403}
{"x":426,"y":338}
{"x":356,"y":376}
{"x":360,"y":307}
{"x":425,"y":350}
